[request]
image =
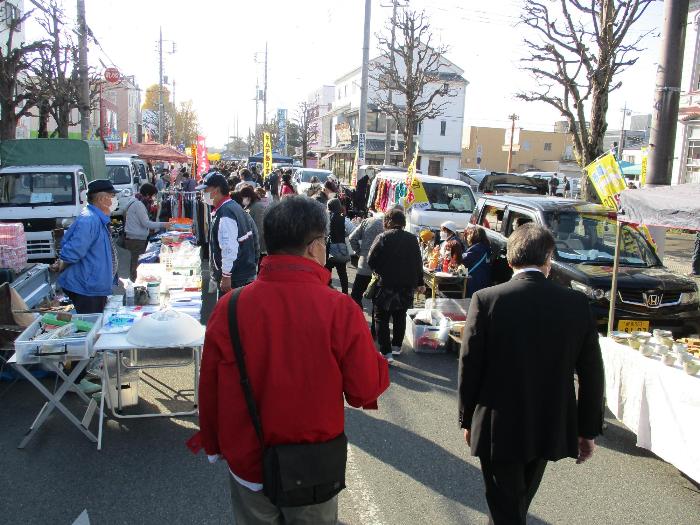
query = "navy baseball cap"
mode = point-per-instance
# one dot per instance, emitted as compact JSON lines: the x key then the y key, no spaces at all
{"x":214,"y":180}
{"x":101,"y":185}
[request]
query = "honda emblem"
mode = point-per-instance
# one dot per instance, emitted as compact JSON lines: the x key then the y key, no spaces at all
{"x":653,"y":299}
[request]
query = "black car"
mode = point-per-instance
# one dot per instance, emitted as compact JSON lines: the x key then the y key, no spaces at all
{"x":649,"y":295}
{"x":494,"y":182}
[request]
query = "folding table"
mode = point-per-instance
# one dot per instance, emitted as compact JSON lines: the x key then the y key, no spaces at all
{"x":118,"y":345}
{"x":55,"y":398}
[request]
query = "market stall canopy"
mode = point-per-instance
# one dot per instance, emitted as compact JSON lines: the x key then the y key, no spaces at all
{"x":214,"y":157}
{"x":156,"y":151}
{"x":632,"y":169}
{"x":668,"y":206}
{"x":276,"y":158}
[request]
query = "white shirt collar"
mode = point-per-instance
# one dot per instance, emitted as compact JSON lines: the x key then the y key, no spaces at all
{"x":530,"y":269}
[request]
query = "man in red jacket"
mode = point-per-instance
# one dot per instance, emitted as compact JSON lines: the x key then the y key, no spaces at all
{"x":306,"y":348}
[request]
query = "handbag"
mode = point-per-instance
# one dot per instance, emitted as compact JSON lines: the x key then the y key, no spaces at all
{"x":294,"y":474}
{"x":120,"y":239}
{"x":338,"y":251}
{"x":371,"y":290}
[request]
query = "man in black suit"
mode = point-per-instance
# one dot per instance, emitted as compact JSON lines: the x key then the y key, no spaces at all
{"x":523,"y":342}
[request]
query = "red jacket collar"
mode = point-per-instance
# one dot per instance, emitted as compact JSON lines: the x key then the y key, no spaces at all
{"x":292,"y":268}
{"x":226,"y":199}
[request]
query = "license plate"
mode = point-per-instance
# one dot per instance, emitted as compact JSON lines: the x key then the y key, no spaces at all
{"x":633,"y":326}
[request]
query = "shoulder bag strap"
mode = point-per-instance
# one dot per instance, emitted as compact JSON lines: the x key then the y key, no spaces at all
{"x":240,"y":360}
{"x":479,"y":263}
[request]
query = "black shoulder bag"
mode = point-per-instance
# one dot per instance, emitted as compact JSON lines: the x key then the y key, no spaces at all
{"x":295,"y":474}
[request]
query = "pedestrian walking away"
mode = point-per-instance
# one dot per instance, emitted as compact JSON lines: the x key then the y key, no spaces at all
{"x":395,"y":257}
{"x":524,"y":340}
{"x":138,"y":226}
{"x":232,"y":237}
{"x":338,"y":253}
{"x":361,"y":240}
{"x":695,"y":272}
{"x":271,"y":408}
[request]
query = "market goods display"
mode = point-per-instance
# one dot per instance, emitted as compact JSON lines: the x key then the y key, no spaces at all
{"x":58,"y":335}
{"x":683,"y":352}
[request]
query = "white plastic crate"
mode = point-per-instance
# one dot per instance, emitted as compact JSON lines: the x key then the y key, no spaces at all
{"x":72,"y":347}
{"x":426,"y":339}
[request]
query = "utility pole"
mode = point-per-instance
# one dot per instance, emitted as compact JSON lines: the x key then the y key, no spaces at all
{"x":512,"y":118}
{"x":668,"y":88}
{"x":265,"y":89}
{"x":362,"y":135}
{"x":160,"y":86}
{"x":83,"y":72}
{"x":257,"y":99}
{"x":625,"y":113}
{"x":387,"y":135}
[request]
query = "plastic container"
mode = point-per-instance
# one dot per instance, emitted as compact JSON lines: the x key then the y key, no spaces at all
{"x":153,"y":292}
{"x":76,"y":346}
{"x":427,"y":339}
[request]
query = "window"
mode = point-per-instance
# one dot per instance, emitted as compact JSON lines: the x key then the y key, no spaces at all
{"x":692,"y":165}
{"x":517,"y":219}
{"x":492,"y":218}
{"x":548,"y":146}
{"x":443,"y":128}
{"x":434,"y":168}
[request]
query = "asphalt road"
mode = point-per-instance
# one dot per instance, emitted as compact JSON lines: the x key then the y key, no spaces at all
{"x":407,"y":464}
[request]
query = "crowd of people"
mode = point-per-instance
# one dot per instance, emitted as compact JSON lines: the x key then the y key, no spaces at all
{"x":284,"y":351}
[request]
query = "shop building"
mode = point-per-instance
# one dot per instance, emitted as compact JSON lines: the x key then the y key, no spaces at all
{"x":439,"y":140}
{"x":487,"y":148}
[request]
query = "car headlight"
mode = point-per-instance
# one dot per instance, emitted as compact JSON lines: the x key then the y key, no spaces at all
{"x":126,"y":192}
{"x":595,"y":294}
{"x":689,"y":297}
{"x":65,"y":223}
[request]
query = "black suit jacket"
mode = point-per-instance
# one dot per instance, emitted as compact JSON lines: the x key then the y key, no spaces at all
{"x":523,"y":342}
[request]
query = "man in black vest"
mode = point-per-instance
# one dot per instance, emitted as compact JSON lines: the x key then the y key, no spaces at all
{"x":233,"y":260}
{"x":523,"y":342}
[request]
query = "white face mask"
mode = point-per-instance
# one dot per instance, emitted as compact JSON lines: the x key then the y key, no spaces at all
{"x":114,"y":204}
{"x":444,"y":236}
{"x":246,"y":201}
{"x":206,"y":197}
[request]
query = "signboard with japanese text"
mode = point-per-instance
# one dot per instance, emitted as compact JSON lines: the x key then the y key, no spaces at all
{"x":267,"y":155}
{"x":607,"y":179}
{"x":361,"y":147}
{"x":282,"y":131}
{"x":416,"y":195}
{"x":112,"y":75}
{"x":203,"y":160}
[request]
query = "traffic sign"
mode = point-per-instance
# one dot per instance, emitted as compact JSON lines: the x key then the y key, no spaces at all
{"x":112,"y":75}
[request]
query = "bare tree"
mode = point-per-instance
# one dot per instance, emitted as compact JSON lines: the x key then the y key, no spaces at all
{"x":307,"y":127}
{"x":15,"y":61}
{"x":411,"y":69}
{"x":575,"y":54}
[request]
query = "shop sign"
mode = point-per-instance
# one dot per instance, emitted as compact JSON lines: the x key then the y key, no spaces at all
{"x":343,"y":132}
{"x":361,"y":147}
{"x":267,"y":155}
{"x":112,"y":75}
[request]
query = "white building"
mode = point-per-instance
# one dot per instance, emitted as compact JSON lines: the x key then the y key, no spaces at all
{"x":686,"y":158}
{"x":322,"y":103}
{"x":439,"y":140}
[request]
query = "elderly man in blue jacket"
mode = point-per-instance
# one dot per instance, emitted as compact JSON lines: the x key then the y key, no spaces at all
{"x":88,"y":259}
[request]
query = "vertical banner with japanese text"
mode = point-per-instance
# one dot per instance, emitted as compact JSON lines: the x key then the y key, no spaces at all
{"x":202,"y":159}
{"x":607,"y":179}
{"x":416,"y":195}
{"x":282,"y":131}
{"x":267,"y":155}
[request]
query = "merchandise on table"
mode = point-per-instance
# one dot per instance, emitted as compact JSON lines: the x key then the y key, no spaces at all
{"x":13,"y":246}
{"x":165,"y":329}
{"x":58,"y":335}
{"x":683,"y":353}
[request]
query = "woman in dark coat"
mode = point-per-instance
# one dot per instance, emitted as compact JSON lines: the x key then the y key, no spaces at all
{"x":477,"y":259}
{"x":396,"y":258}
{"x":338,"y":255}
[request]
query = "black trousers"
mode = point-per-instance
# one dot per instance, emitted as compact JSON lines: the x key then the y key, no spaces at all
{"x":359,"y":287}
{"x":342,"y":270}
{"x":510,"y":487}
{"x":87,"y":304}
{"x":381,"y":320}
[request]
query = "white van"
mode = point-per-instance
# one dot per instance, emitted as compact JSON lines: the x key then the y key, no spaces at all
{"x":123,"y":174}
{"x":449,"y":200}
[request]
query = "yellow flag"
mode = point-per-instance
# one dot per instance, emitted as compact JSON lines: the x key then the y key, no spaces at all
{"x":416,"y":195}
{"x":643,"y":171}
{"x":267,"y":155}
{"x":607,"y":179}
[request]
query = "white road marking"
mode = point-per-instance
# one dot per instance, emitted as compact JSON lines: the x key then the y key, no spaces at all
{"x":360,"y":494}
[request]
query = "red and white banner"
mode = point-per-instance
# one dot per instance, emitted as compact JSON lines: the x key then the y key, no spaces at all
{"x":202,"y":159}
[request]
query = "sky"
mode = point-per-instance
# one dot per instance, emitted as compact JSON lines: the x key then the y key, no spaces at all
{"x":313,"y":42}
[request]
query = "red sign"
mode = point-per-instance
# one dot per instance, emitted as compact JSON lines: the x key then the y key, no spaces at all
{"x":112,"y":75}
{"x":202,"y":159}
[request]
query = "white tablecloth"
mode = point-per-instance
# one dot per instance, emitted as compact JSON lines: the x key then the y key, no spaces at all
{"x":659,"y":403}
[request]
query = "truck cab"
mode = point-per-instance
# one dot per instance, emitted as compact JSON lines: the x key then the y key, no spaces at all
{"x":42,"y":198}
